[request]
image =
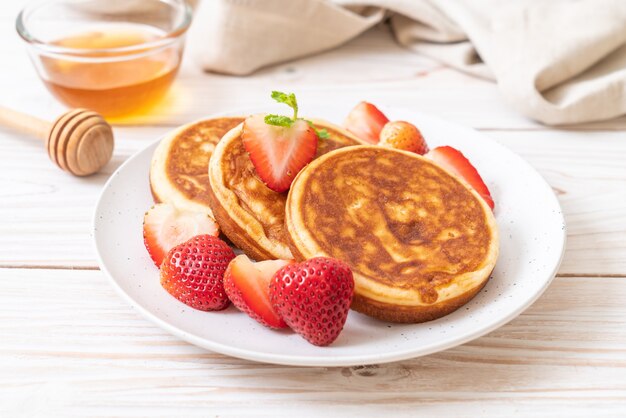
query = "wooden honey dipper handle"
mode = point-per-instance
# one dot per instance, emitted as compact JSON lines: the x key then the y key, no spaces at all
{"x":79,"y":141}
{"x":24,"y":123}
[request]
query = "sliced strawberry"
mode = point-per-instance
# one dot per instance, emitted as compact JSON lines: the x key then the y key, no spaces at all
{"x":403,"y":135}
{"x":164,"y":227}
{"x":279,"y":146}
{"x":247,"y":285}
{"x":193,"y":272}
{"x":453,"y":160}
{"x":278,"y":153}
{"x":366,"y":121}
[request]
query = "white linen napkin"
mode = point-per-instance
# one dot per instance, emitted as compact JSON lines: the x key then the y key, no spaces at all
{"x":558,"y":61}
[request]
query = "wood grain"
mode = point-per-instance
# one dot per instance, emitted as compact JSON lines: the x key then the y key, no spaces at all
{"x":80,"y":350}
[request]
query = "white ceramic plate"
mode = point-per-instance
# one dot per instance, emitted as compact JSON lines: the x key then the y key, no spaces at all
{"x":532,"y":233}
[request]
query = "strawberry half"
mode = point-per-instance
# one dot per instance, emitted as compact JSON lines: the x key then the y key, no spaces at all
{"x":193,"y":272}
{"x":403,"y":135}
{"x":366,"y":121}
{"x":164,"y":227}
{"x":247,"y":285}
{"x":313,"y":297}
{"x":454,"y":161}
{"x":278,"y":153}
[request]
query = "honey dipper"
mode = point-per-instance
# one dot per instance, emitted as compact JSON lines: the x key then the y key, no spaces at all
{"x":79,"y":141}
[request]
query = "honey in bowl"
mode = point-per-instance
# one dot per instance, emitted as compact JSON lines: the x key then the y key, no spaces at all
{"x":106,"y":78}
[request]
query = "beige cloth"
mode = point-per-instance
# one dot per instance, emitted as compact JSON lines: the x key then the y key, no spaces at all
{"x":556,"y":61}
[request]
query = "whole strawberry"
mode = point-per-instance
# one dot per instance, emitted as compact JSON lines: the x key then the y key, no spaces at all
{"x":193,"y":272}
{"x":403,"y":135}
{"x":313,"y":297}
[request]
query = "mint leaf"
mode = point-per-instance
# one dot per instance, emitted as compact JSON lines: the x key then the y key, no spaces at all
{"x":322,"y":134}
{"x":287,"y":98}
{"x":278,"y":120}
{"x":290,"y":100}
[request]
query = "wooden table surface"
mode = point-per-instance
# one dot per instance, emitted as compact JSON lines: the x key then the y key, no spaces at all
{"x":69,"y":346}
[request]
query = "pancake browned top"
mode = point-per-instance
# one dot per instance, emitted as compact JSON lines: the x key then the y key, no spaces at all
{"x":394,"y":217}
{"x":189,"y":154}
{"x":260,"y":205}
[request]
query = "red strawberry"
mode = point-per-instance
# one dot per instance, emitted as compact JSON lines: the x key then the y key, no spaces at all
{"x":366,"y":121}
{"x":164,"y":226}
{"x":193,"y":272}
{"x":403,"y":135}
{"x":313,"y":297}
{"x":454,"y":161}
{"x":278,"y":152}
{"x":247,"y":285}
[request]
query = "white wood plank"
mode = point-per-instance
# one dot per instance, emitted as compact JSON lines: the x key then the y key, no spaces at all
{"x":587,"y":171}
{"x":45,"y":214}
{"x":72,"y":347}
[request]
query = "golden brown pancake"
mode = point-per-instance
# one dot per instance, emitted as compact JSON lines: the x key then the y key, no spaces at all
{"x":249,"y":213}
{"x":420,"y":242}
{"x":178,"y":172}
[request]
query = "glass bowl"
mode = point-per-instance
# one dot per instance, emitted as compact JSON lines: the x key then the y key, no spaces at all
{"x":117,"y":57}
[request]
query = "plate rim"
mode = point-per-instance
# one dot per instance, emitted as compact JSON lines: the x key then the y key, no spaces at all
{"x":322,"y":361}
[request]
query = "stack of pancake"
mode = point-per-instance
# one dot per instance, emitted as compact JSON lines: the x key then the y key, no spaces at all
{"x":419,"y":240}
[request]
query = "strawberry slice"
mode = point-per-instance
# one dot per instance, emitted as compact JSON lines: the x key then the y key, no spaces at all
{"x":165,"y":226}
{"x":454,"y":161}
{"x":278,"y":153}
{"x":247,"y":285}
{"x":366,"y":121}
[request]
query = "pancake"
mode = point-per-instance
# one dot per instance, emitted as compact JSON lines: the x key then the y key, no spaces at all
{"x":178,"y":172}
{"x":249,"y":213}
{"x":420,"y":241}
